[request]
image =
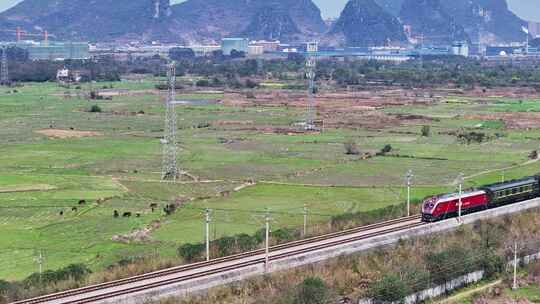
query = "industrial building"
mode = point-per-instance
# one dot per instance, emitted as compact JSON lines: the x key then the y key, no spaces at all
{"x":237,"y":44}
{"x":58,"y":51}
{"x":53,"y":50}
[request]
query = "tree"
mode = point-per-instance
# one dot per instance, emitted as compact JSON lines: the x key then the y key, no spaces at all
{"x":386,"y":149}
{"x":312,"y":291}
{"x":237,"y":54}
{"x":426,"y":131}
{"x":181,"y":53}
{"x":95,"y":109}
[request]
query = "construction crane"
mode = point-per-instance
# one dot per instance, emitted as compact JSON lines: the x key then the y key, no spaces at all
{"x":20,"y":33}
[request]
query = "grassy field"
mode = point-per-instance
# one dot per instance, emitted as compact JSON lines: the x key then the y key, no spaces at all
{"x":118,"y":168}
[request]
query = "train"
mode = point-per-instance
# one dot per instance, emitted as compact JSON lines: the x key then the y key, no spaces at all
{"x":443,"y":206}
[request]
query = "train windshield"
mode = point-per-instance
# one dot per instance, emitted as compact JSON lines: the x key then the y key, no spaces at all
{"x":429,"y":203}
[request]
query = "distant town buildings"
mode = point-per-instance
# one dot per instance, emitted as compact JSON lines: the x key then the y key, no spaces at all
{"x":204,"y":50}
{"x":460,"y":48}
{"x":228,"y":45}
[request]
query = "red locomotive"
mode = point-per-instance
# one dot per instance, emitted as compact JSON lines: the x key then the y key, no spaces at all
{"x":447,"y":205}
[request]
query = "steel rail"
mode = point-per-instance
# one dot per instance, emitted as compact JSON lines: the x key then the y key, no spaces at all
{"x":178,"y":269}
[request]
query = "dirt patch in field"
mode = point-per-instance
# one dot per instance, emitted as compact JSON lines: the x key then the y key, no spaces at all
{"x":26,"y":188}
{"x":62,"y":134}
{"x":520,"y":121}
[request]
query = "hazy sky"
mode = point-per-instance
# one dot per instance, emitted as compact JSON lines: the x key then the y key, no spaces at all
{"x":527,"y":9}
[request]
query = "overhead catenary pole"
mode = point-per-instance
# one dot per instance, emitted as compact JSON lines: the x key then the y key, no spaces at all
{"x":267,"y":240}
{"x":460,"y":182}
{"x":514,"y":285}
{"x":39,"y":261}
{"x":409,"y":177}
{"x":304,"y":231}
{"x":207,"y":232}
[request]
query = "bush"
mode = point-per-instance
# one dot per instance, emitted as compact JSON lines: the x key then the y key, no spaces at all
{"x":283,"y":235}
{"x":225,"y":245}
{"x":76,"y":272}
{"x":202,"y":83}
{"x":390,"y":289}
{"x":246,"y":242}
{"x":250,"y":84}
{"x":426,"y":131}
{"x":472,"y":137}
{"x":95,"y":109}
{"x":190,"y":252}
{"x":462,"y":261}
{"x":312,"y":291}
{"x":386,"y":149}
{"x":351,"y":148}
{"x":492,"y":264}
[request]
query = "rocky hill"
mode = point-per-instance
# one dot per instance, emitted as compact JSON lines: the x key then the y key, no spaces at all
{"x":190,"y":21}
{"x":490,"y":19}
{"x":430,"y":21}
{"x":93,"y":20}
{"x":273,"y":24}
{"x":365,"y":23}
{"x":213,"y":19}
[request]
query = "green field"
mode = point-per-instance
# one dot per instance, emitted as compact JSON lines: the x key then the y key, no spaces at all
{"x":119,"y":169}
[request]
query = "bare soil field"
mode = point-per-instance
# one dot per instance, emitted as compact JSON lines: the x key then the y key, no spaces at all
{"x":63,"y":134}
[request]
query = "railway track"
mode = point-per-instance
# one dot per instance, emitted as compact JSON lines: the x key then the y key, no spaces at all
{"x":174,"y":275}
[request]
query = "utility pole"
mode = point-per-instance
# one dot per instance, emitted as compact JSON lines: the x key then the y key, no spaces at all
{"x":207,"y":230}
{"x":514,"y":285}
{"x":502,"y":177}
{"x":305,"y":220}
{"x":460,"y":182}
{"x":409,"y":177}
{"x":267,"y":242}
{"x":39,"y":260}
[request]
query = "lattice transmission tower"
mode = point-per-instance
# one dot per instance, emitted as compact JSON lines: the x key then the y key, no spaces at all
{"x":169,"y":166}
{"x":311,"y":65}
{"x":4,"y":72}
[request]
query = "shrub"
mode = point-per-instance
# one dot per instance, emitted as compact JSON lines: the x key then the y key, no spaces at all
{"x":426,"y":131}
{"x":76,"y":272}
{"x":533,"y":154}
{"x":95,"y":109}
{"x":202,"y":83}
{"x":492,"y":264}
{"x":225,"y":245}
{"x":386,"y":149}
{"x":246,"y":242}
{"x":312,"y":291}
{"x":250,"y":84}
{"x":462,"y":261}
{"x":390,"y":288}
{"x":472,"y":137}
{"x":283,"y":235}
{"x":190,"y":252}
{"x":351,"y":148}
